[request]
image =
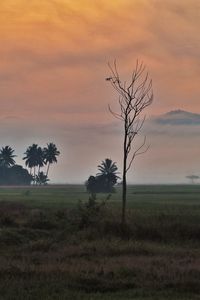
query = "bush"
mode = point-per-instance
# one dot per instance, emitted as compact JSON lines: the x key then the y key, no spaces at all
{"x":90,"y":212}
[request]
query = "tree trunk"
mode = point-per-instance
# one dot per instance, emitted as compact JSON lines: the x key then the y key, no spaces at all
{"x":48,"y":169}
{"x":124,"y":184}
{"x":124,"y":199}
{"x":34,"y":175}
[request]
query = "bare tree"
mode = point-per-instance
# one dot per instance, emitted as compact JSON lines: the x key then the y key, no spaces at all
{"x":134,"y":97}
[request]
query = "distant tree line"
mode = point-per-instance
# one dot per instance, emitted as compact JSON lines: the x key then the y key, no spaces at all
{"x":35,"y":158}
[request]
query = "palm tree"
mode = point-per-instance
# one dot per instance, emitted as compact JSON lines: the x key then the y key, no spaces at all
{"x":40,"y":158}
{"x":30,"y":157}
{"x":34,"y":157}
{"x":50,"y":155}
{"x":7,"y":157}
{"x":41,"y":178}
{"x":108,"y":174}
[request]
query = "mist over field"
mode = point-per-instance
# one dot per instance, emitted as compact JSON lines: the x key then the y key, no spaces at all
{"x":173,"y":137}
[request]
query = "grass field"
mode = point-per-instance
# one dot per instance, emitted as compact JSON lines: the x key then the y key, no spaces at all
{"x":54,"y":247}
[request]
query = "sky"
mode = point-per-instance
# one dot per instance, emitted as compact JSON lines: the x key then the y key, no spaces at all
{"x":53,"y":65}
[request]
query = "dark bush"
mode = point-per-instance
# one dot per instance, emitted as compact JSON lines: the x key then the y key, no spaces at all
{"x":90,"y":212}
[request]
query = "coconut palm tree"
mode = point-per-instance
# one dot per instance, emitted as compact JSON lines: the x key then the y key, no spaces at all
{"x":108,"y":174}
{"x":31,"y":157}
{"x":34,"y":157}
{"x":40,"y":158}
{"x":7,"y":157}
{"x":50,"y":155}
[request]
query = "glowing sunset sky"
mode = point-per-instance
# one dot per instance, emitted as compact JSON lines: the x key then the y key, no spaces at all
{"x":53,"y":64}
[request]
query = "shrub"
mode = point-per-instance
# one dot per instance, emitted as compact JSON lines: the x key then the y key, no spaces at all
{"x":90,"y":212}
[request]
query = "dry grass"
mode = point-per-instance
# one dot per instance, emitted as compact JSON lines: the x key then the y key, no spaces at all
{"x":46,"y":254}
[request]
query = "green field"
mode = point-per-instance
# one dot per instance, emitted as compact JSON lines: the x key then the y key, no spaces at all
{"x":53,"y":247}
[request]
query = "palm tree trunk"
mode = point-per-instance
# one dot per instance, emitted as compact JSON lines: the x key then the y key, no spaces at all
{"x":34,"y":175}
{"x":48,"y":169}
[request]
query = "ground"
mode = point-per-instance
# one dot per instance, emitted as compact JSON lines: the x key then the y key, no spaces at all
{"x":53,"y":246}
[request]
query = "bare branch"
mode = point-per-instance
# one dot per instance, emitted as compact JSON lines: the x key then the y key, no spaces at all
{"x":116,"y":115}
{"x":137,"y":152}
{"x":134,"y":96}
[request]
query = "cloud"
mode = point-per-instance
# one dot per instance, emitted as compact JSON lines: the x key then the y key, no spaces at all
{"x":178,"y":117}
{"x":53,"y":64}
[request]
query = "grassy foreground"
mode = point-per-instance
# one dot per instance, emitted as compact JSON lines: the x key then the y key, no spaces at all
{"x":51,"y":247}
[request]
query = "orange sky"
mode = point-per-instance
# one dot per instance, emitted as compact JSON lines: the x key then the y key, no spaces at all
{"x":53,"y":64}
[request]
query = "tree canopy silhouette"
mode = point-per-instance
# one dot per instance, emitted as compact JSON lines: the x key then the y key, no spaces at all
{"x":7,"y":157}
{"x":35,"y":158}
{"x":31,"y":158}
{"x":105,"y":180}
{"x":192,"y":178}
{"x":41,"y":178}
{"x":50,"y":155}
{"x":108,"y":174}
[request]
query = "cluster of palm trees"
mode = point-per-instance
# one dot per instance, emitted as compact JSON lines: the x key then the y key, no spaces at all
{"x":105,"y":179}
{"x":35,"y":158}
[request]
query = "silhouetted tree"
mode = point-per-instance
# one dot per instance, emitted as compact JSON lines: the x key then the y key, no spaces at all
{"x":104,"y":181}
{"x":34,"y":157}
{"x":134,"y":97}
{"x":40,"y":158}
{"x":92,"y":186}
{"x":7,"y":157}
{"x":31,"y":158}
{"x":107,"y":177}
{"x":15,"y":175}
{"x":41,"y":178}
{"x":50,"y":155}
{"x":192,"y":178}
